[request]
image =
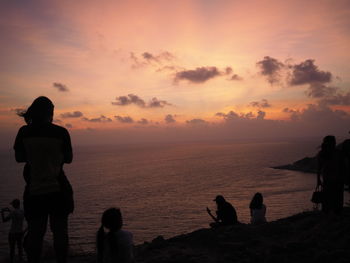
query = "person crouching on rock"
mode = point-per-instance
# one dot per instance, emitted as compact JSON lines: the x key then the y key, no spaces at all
{"x":117,"y":244}
{"x":225,"y":214}
{"x":257,"y":210}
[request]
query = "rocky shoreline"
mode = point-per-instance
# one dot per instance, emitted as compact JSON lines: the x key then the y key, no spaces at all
{"x":305,"y":237}
{"x":306,"y":165}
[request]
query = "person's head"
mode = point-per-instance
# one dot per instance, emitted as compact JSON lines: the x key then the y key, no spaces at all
{"x":328,"y":143}
{"x":219,"y":199}
{"x":112,"y":219}
{"x":16,"y":203}
{"x":40,"y":111}
{"x":257,"y":201}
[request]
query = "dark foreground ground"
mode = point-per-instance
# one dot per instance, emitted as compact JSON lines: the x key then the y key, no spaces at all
{"x":305,"y":237}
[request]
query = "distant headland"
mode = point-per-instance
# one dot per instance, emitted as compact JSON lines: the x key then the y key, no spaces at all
{"x":306,"y":165}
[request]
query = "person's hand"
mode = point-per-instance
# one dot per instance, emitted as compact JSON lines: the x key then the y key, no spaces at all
{"x":5,"y":209}
{"x":208,"y":210}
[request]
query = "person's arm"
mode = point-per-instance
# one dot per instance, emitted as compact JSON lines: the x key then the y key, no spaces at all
{"x":67,"y":148}
{"x":211,"y":215}
{"x":20,"y":154}
{"x":3,"y":216}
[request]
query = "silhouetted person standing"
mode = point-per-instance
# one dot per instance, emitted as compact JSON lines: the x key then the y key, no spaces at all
{"x":45,"y":147}
{"x":330,"y":170}
{"x":16,"y":217}
{"x":225,"y":214}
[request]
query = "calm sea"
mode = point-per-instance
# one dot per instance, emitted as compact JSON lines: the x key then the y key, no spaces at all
{"x":164,"y":189}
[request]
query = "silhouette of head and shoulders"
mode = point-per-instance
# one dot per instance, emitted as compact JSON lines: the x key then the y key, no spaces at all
{"x":226,"y":213}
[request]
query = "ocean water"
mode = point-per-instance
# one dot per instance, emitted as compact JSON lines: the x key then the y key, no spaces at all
{"x":164,"y":189}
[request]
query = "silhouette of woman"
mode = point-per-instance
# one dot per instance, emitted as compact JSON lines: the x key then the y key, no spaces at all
{"x":257,"y":209}
{"x":330,"y":170}
{"x":117,"y":244}
{"x":44,"y":148}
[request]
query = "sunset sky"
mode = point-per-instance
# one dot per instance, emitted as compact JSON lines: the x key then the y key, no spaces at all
{"x":186,"y":69}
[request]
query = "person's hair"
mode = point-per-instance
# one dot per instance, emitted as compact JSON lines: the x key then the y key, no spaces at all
{"x":112,"y":220}
{"x":257,"y":201}
{"x":328,"y":146}
{"x":40,"y":111}
{"x":16,"y":203}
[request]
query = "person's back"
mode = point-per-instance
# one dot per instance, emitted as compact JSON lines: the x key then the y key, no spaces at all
{"x":258,"y":215}
{"x":117,"y":244}
{"x":45,"y":147}
{"x":257,"y":209}
{"x":332,"y":166}
{"x":227,"y":213}
{"x":119,"y":250}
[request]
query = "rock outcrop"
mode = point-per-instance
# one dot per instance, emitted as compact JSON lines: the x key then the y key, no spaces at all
{"x":306,"y":237}
{"x":306,"y":165}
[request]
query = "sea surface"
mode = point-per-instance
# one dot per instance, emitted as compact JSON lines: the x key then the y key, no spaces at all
{"x":164,"y":189}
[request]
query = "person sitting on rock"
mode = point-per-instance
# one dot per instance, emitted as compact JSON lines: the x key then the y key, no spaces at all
{"x":117,"y":244}
{"x":225,"y":214}
{"x":257,"y":210}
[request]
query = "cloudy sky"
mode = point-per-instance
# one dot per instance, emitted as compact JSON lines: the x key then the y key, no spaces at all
{"x":123,"y":70}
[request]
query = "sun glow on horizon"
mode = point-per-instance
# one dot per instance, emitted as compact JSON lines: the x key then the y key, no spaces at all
{"x":177,"y":64}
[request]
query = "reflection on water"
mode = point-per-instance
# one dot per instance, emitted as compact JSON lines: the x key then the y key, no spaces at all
{"x":164,"y":189}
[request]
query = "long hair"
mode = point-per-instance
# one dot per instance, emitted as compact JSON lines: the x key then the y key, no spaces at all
{"x":112,"y":220}
{"x":40,"y":111}
{"x":257,"y":201}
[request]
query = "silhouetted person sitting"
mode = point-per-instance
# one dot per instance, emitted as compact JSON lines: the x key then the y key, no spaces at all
{"x":331,"y":170}
{"x":225,"y":214}
{"x":45,"y":147}
{"x":117,"y":244}
{"x":16,"y":217}
{"x":257,"y":210}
